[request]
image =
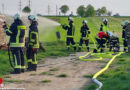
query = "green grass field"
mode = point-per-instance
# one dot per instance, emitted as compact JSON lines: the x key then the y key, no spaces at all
{"x":116,"y":78}
{"x":94,"y":25}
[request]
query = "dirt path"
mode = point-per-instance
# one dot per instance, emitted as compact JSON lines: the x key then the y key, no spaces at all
{"x":70,"y":66}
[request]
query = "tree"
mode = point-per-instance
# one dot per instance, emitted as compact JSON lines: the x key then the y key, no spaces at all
{"x":98,"y":12}
{"x":26,"y":9}
{"x":117,"y":14}
{"x":103,"y":10}
{"x":81,"y":11}
{"x":90,"y":11}
{"x":109,"y":13}
{"x":64,"y":9}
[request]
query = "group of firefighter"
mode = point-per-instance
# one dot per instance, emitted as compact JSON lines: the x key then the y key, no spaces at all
{"x":104,"y":37}
{"x":17,"y":31}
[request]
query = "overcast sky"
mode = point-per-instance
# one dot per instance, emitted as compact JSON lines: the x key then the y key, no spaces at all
{"x":41,"y":6}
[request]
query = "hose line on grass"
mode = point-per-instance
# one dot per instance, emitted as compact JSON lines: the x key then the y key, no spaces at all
{"x":83,"y":57}
{"x":103,"y":70}
{"x":100,"y":55}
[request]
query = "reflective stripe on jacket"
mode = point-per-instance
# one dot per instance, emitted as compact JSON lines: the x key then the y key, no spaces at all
{"x":17,"y":34}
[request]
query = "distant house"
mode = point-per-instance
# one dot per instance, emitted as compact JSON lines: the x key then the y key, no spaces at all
{"x":117,"y":14}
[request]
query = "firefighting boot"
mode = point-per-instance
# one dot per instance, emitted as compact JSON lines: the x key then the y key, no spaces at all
{"x":16,"y":71}
{"x":29,"y":66}
{"x":88,"y":49}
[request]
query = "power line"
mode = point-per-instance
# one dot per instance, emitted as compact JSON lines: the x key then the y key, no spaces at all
{"x":20,"y":6}
{"x":48,"y":9}
{"x":56,"y":10}
{"x":29,"y":3}
{"x":3,"y":8}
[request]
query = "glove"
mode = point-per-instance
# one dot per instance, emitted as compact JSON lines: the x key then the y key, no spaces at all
{"x":5,"y":26}
{"x":89,"y":32}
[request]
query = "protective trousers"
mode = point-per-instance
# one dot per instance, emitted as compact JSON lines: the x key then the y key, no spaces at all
{"x":32,"y":58}
{"x":18,"y":58}
{"x":101,"y":43}
{"x":86,"y":43}
{"x":69,"y":41}
{"x":125,"y":45}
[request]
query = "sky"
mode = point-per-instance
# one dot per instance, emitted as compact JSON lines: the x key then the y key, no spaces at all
{"x":41,"y":6}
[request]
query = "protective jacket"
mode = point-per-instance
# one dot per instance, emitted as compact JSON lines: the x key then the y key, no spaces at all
{"x":33,"y":35}
{"x":84,"y":31}
{"x":102,"y":35}
{"x":17,"y":34}
{"x":70,"y":29}
{"x":104,"y":27}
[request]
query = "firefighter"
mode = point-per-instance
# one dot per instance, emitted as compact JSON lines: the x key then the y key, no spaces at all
{"x":70,"y":33}
{"x":101,"y":39}
{"x":104,"y":26}
{"x":124,"y":25}
{"x":113,"y":42}
{"x":17,"y":42}
{"x":33,"y":44}
{"x":84,"y":35}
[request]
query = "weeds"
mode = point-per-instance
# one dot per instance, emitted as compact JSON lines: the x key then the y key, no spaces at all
{"x":62,"y":75}
{"x":88,"y":76}
{"x":13,"y":81}
{"x":46,"y":81}
{"x":54,"y":69}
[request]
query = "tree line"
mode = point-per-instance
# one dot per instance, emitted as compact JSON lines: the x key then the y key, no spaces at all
{"x":89,"y":11}
{"x":82,"y":11}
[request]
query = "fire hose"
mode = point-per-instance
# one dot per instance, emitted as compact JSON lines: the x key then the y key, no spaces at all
{"x":102,"y":70}
{"x":10,"y":61}
{"x":100,"y":55}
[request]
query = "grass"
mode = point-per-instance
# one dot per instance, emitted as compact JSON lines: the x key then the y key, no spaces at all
{"x":46,"y":81}
{"x":33,"y":74}
{"x":47,"y":73}
{"x":7,"y":76}
{"x":54,"y":69}
{"x":88,"y":76}
{"x":4,"y":63}
{"x":56,"y":49}
{"x":116,"y":77}
{"x":13,"y":81}
{"x":53,"y":51}
{"x":91,"y":87}
{"x":44,"y":73}
{"x":62,"y":76}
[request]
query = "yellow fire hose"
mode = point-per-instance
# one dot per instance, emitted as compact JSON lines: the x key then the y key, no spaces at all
{"x":100,"y":58}
{"x":83,"y":58}
{"x":102,"y":70}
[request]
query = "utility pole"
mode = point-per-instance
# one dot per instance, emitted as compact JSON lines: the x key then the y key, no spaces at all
{"x":20,"y":6}
{"x":48,"y":9}
{"x":3,"y":8}
{"x":29,"y":3}
{"x":56,"y":10}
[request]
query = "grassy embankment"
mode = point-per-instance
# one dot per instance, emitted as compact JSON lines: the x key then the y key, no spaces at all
{"x":118,"y":75}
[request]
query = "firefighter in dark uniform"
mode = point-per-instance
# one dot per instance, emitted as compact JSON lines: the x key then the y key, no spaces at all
{"x":124,"y":25}
{"x":70,"y":33}
{"x":33,"y":44}
{"x":17,"y":42}
{"x":84,"y":35}
{"x":104,"y":26}
{"x":101,"y":39}
{"x":113,"y":42}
